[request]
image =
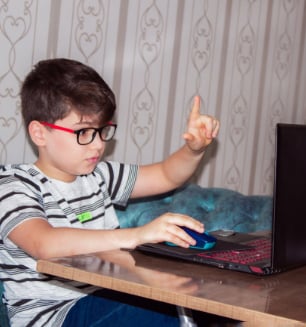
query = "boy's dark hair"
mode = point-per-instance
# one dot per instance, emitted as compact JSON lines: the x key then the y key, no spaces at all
{"x":56,"y":86}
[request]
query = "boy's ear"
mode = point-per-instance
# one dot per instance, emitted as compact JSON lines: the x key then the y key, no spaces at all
{"x":37,"y":133}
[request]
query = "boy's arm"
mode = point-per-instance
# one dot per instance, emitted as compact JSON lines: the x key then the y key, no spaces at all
{"x":179,"y":166}
{"x":42,"y":241}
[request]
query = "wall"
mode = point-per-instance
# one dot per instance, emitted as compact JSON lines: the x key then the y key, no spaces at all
{"x":246,"y":59}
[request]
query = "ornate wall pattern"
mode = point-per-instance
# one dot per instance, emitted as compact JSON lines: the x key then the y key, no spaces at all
{"x":245,"y":58}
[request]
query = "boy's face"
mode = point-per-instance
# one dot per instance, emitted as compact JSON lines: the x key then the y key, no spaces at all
{"x":60,"y":155}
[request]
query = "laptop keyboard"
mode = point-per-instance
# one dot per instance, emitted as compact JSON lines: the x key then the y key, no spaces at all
{"x":261,"y":252}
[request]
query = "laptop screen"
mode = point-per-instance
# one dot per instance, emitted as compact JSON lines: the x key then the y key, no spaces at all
{"x":290,"y":196}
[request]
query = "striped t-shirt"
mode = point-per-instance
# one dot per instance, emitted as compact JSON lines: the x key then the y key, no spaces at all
{"x":35,"y":299}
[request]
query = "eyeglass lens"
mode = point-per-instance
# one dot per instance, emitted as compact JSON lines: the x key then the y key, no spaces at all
{"x":87,"y":135}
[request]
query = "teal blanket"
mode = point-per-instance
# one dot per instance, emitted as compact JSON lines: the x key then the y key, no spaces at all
{"x":3,"y":316}
{"x":217,"y":208}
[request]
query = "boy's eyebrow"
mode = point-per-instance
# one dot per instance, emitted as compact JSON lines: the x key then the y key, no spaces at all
{"x":83,"y":123}
{"x":86,"y":123}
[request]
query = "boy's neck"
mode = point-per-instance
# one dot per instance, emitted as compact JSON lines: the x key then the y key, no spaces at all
{"x":53,"y":173}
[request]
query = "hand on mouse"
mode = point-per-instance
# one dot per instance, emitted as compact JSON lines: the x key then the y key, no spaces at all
{"x":167,"y":228}
{"x":204,"y":241}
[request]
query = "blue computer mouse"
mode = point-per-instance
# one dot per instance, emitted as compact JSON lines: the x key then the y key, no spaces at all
{"x":204,"y":241}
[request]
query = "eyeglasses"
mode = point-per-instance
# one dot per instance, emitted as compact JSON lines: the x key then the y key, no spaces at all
{"x":87,"y":135}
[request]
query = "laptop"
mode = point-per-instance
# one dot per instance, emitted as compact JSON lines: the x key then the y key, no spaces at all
{"x":285,"y":246}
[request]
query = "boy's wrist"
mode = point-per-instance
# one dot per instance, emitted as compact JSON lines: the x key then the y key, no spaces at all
{"x":196,"y":152}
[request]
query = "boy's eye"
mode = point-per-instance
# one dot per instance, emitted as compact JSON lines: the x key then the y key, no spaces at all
{"x":85,"y":131}
{"x":86,"y":135}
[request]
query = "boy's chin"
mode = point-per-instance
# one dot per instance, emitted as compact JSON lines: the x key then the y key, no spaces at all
{"x":88,"y":171}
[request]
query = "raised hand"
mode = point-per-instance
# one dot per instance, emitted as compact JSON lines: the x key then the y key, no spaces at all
{"x":201,"y":129}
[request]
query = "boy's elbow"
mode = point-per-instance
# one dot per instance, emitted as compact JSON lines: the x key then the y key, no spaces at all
{"x":43,"y":253}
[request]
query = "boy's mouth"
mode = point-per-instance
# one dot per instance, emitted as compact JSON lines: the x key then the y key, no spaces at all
{"x":93,"y":160}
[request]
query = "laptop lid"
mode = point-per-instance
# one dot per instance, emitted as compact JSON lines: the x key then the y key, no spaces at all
{"x":289,"y":217}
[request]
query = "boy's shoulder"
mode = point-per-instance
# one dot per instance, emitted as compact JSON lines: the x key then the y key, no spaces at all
{"x":19,"y":172}
{"x":22,"y":178}
{"x":10,"y":169}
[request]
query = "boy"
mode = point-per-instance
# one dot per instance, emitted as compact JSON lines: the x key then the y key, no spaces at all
{"x":62,"y":204}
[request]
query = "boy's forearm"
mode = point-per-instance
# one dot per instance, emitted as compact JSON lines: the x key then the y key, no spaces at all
{"x":168,"y":174}
{"x":182,"y":164}
{"x":42,"y":241}
{"x":71,"y":241}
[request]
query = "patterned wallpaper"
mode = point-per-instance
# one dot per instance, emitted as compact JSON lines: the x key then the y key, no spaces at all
{"x":246,"y":59}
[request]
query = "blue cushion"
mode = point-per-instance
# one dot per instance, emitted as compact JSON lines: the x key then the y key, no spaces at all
{"x":217,"y":208}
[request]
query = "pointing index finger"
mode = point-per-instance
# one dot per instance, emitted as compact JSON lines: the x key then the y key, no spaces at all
{"x":195,"y":111}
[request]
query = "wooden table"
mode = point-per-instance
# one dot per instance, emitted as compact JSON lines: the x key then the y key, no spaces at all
{"x":278,"y":300}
